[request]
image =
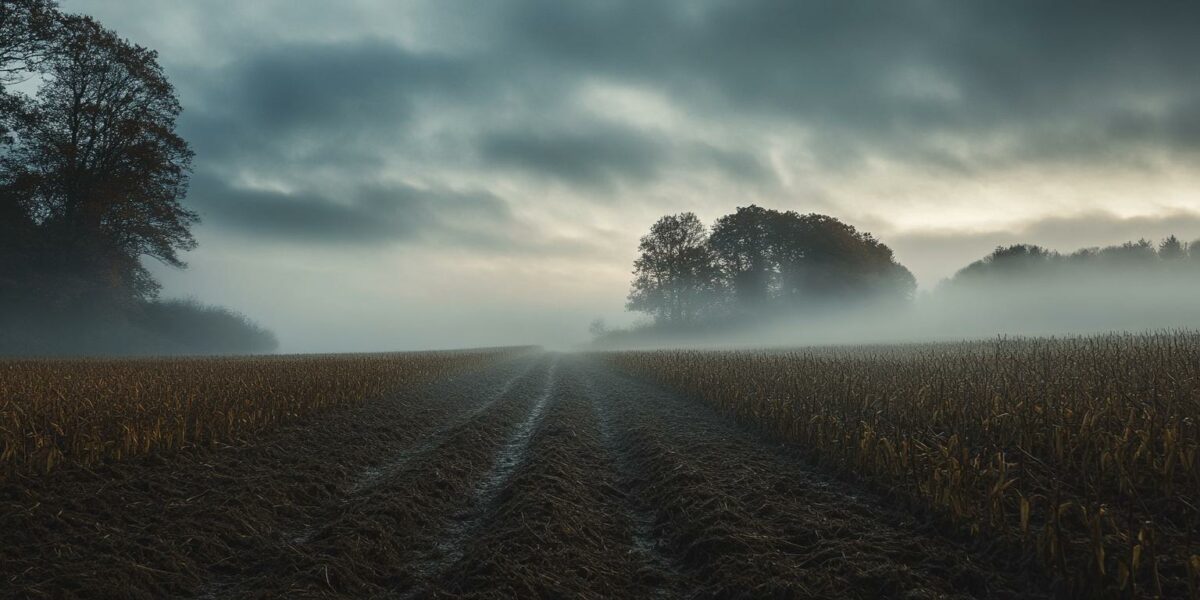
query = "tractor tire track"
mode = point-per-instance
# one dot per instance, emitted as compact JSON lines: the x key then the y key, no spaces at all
{"x":559,"y":528}
{"x":659,"y":575}
{"x":383,"y":536}
{"x":451,"y":544}
{"x":457,"y":401}
{"x":396,"y":463}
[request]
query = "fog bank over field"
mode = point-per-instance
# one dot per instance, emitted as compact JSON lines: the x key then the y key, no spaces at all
{"x":1018,"y":290}
{"x":1087,"y":307}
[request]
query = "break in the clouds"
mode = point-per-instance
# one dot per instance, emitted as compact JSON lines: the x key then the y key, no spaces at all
{"x":539,"y":137}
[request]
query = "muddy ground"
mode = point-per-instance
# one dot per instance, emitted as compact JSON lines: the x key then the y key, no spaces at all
{"x":547,"y":476}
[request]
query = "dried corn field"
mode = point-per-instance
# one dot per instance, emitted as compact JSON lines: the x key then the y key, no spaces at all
{"x":83,"y":411}
{"x":1083,"y":452}
{"x":519,"y":473}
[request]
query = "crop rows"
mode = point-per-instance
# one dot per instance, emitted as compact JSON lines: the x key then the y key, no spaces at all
{"x":82,"y":411}
{"x":1084,"y":452}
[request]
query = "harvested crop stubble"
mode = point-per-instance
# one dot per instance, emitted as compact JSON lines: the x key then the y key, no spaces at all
{"x":86,"y":410}
{"x":1083,"y":450}
{"x":231,"y":522}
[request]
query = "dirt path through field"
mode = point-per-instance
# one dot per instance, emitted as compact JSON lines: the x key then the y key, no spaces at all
{"x":551,"y":476}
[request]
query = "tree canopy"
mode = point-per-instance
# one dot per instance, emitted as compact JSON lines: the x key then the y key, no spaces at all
{"x":93,"y":178}
{"x":96,"y":171}
{"x":758,"y":261}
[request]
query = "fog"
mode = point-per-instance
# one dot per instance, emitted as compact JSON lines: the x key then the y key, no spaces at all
{"x":374,"y":175}
{"x":1061,"y":302}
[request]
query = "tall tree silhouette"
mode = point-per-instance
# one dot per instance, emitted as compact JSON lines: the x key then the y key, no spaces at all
{"x":92,"y":179}
{"x":674,"y":274}
{"x":26,"y":38}
{"x":1172,"y":249}
{"x":97,"y":167}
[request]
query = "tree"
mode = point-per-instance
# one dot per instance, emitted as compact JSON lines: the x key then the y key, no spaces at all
{"x":92,"y":178}
{"x":1172,"y":250}
{"x":674,"y":274}
{"x":26,"y":36}
{"x":97,"y":166}
{"x":742,"y":245}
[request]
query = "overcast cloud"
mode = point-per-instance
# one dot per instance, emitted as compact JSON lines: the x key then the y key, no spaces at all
{"x":378,"y":174}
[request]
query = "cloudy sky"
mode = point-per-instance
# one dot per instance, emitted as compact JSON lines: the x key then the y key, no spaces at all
{"x":381,"y":174}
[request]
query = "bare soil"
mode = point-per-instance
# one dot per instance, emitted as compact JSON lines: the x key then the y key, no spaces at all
{"x":546,"y":476}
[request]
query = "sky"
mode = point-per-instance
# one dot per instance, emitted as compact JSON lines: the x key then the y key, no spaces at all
{"x":390,"y":175}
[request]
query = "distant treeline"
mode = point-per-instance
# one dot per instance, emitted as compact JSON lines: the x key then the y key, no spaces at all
{"x":1031,"y":263}
{"x":92,"y":179}
{"x":819,"y":276}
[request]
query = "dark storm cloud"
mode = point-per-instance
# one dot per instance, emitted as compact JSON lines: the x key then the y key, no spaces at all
{"x":366,"y":215}
{"x":954,"y":87}
{"x":884,"y":76}
{"x":323,"y":103}
{"x":377,"y":215}
{"x":601,"y":156}
{"x":734,"y":164}
{"x":593,"y":159}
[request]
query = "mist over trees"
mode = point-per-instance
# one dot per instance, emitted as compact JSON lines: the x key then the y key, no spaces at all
{"x":759,"y":262}
{"x":766,"y":277}
{"x":1025,"y":288}
{"x":1025,"y":262}
{"x":676,"y":278}
{"x":92,"y":181}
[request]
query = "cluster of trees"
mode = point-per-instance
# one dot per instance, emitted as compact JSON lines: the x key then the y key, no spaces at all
{"x":92,"y":180}
{"x":1032,"y":263}
{"x":757,"y":262}
{"x":764,"y":276}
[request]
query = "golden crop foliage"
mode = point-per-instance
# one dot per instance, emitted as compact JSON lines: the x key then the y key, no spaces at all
{"x":85,"y":410}
{"x":1084,"y":451}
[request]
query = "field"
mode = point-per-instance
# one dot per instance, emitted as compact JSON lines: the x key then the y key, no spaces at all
{"x":83,"y":411}
{"x":1083,"y":452}
{"x":1006,"y":469}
